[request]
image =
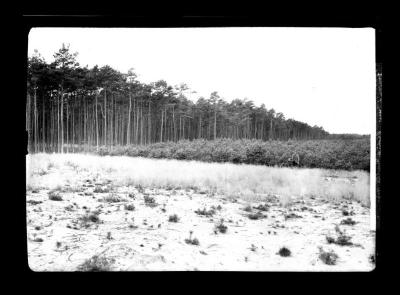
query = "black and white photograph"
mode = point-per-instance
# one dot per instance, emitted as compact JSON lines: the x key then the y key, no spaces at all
{"x":201,"y":149}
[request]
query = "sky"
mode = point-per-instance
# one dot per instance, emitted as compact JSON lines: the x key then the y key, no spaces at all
{"x":321,"y":76}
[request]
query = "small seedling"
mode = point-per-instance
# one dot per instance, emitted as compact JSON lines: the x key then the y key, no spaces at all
{"x":372,"y":259}
{"x":284,"y":252}
{"x":54,"y":196}
{"x":173,"y":218}
{"x":140,"y":188}
{"x":328,"y":258}
{"x":220,"y":227}
{"x":109,"y":237}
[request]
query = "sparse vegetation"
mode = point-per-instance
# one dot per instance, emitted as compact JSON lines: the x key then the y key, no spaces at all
{"x":97,"y":264}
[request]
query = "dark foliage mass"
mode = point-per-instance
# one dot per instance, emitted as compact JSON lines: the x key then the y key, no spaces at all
{"x":70,"y":108}
{"x":328,"y":154}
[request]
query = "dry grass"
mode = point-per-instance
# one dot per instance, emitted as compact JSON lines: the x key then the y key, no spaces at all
{"x":254,"y":183}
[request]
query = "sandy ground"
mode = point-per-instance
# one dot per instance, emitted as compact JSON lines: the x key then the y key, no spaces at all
{"x":144,"y":239}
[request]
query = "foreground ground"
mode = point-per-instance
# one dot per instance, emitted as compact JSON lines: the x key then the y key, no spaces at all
{"x":80,"y":206}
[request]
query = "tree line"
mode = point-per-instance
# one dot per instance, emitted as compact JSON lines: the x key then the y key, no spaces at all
{"x":70,"y":106}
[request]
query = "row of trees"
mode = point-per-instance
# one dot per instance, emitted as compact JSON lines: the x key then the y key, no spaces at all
{"x":69,"y":106}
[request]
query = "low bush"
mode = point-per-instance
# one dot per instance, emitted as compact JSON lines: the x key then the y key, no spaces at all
{"x":284,"y":252}
{"x":173,"y":218}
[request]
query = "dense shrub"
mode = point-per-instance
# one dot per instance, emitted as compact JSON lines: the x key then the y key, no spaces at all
{"x":346,"y":154}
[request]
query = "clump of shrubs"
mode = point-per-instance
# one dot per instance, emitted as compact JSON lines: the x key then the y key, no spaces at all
{"x":349,"y":154}
{"x":284,"y":252}
{"x":328,"y":257}
{"x":191,"y":241}
{"x":97,"y":264}
{"x":173,"y":218}
{"x":55,"y":196}
{"x":205,"y":212}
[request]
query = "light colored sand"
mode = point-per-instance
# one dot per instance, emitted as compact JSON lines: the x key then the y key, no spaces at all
{"x":156,"y":244}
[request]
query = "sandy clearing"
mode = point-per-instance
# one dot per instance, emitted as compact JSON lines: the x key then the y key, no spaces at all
{"x":144,"y":239}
